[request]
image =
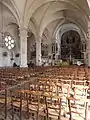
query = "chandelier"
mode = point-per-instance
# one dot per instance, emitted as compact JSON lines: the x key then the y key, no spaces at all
{"x":2,"y":25}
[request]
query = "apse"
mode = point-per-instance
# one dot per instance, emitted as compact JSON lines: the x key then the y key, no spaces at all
{"x":71,"y":46}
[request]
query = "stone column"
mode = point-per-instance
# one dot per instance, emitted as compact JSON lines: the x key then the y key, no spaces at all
{"x":38,"y":52}
{"x":88,"y":52}
{"x":58,"y":52}
{"x":88,"y":47}
{"x":23,"y":47}
{"x":59,"y":46}
{"x":50,"y":49}
{"x":82,"y":47}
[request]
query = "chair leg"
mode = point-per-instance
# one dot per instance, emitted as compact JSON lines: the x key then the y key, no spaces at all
{"x":37,"y":117}
{"x":86,"y":111}
{"x":69,"y":110}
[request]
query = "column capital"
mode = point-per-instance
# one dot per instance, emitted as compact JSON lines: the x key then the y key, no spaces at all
{"x":23,"y":31}
{"x":39,"y":40}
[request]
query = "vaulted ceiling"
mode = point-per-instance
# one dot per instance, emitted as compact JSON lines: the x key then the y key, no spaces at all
{"x":39,"y":15}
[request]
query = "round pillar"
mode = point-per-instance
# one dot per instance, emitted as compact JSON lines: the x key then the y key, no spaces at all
{"x":38,"y":52}
{"x":23,"y":47}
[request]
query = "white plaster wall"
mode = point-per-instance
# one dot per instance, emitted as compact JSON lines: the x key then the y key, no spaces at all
{"x":5,"y":61}
{"x":13,"y":31}
{"x":17,"y":60}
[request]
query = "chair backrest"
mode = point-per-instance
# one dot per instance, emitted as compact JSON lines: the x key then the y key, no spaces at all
{"x":53,"y":107}
{"x":76,"y":111}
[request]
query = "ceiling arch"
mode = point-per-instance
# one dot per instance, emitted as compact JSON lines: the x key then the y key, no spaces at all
{"x":55,"y":25}
{"x":63,"y":9}
{"x":88,"y":1}
{"x":72,"y":24}
{"x":49,"y":11}
{"x":6,"y":16}
{"x":32,"y":27}
{"x":75,"y":19}
{"x":10,"y":4}
{"x":66,"y":27}
{"x":37,"y":3}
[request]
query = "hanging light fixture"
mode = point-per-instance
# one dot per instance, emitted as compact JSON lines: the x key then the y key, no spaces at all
{"x":2,"y":25}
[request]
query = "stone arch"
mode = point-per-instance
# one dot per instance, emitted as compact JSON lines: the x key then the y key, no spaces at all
{"x":33,"y":27}
{"x":35,"y":5}
{"x":13,"y":9}
{"x":71,"y":45}
{"x":66,"y":27}
{"x":66,"y":19}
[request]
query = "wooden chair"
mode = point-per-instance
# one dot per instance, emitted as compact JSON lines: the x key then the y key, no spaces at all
{"x":53,"y":107}
{"x":36,"y":105}
{"x":18,"y":105}
{"x":5,"y":103}
{"x":76,"y":111}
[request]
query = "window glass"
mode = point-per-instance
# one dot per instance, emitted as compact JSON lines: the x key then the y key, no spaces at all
{"x":9,"y":42}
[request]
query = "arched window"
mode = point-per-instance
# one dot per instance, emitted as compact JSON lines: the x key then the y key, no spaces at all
{"x":9,"y":42}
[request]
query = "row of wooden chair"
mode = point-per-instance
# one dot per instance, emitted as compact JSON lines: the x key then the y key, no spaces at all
{"x":46,"y":98}
{"x":49,"y":83}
